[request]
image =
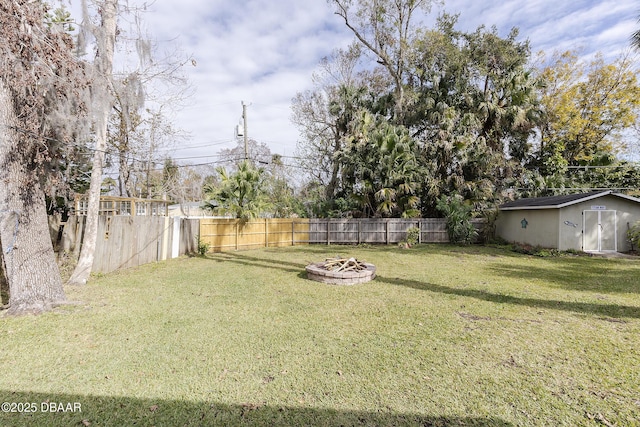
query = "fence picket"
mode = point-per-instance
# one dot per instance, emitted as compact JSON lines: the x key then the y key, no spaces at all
{"x":126,"y":241}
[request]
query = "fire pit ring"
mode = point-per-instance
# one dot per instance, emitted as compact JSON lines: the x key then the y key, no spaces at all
{"x":318,"y":272}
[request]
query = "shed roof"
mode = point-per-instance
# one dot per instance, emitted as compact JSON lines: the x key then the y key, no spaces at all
{"x":557,"y":202}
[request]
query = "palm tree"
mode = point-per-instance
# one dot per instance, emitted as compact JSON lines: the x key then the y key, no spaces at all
{"x":380,"y":168}
{"x":240,"y":194}
{"x":635,"y":38}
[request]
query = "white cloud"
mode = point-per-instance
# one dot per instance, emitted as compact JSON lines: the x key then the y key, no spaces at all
{"x":264,"y":51}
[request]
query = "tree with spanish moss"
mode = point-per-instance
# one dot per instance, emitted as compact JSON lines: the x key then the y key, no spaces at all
{"x":105,"y":38}
{"x":41,"y":103}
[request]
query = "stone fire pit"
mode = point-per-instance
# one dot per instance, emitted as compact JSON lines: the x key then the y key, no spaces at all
{"x":341,"y":271}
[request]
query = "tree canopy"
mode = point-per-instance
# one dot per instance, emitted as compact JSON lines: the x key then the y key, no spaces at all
{"x":471,"y":113}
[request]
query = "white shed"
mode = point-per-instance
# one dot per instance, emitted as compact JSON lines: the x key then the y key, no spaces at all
{"x":590,"y":222}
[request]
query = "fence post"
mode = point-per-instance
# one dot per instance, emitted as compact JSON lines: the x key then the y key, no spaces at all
{"x":175,"y":238}
{"x":386,"y":231}
{"x":266,"y":233}
{"x":293,"y":227}
{"x":359,"y":229}
{"x":237,"y":231}
{"x":328,"y":239}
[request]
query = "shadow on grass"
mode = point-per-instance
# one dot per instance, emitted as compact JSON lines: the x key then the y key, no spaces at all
{"x":318,"y":252}
{"x":581,"y":274}
{"x":126,"y":411}
{"x":607,"y":310}
{"x":237,"y":258}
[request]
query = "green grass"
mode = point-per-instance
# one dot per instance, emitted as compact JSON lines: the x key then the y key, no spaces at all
{"x":443,"y":336}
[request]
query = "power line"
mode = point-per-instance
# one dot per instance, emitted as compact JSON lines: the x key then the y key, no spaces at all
{"x":586,"y":167}
{"x":203,"y":145}
{"x":196,"y":157}
{"x":135,"y":159}
{"x":576,"y":188}
{"x":216,"y":162}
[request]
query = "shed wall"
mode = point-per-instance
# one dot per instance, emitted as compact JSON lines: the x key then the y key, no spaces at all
{"x":570,"y":223}
{"x":541,"y":230}
{"x":627,"y":213}
{"x":563,"y":228}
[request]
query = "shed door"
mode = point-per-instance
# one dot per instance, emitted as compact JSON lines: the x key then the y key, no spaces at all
{"x":600,"y":230}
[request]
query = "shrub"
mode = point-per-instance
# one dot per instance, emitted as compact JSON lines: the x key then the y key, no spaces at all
{"x":527,"y":249}
{"x":488,"y":229}
{"x":458,"y":215}
{"x":412,"y":237}
{"x":633,"y":234}
{"x":203,"y":247}
{"x":573,"y":252}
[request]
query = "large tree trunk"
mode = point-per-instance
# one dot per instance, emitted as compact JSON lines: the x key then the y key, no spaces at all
{"x":104,"y":64}
{"x":27,"y":253}
{"x":87,"y":252}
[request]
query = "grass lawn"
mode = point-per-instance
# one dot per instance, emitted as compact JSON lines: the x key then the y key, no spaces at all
{"x":443,"y":336}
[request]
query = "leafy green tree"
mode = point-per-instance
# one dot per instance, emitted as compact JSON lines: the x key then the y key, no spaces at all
{"x":476,"y":110}
{"x":380,"y":169}
{"x":240,"y":194}
{"x":108,"y":186}
{"x":479,"y":121}
{"x":458,"y":215}
{"x":60,"y":18}
{"x":467,"y":101}
{"x":505,"y":97}
{"x":588,"y":108}
{"x":634,"y":235}
{"x":323,"y":116}
{"x":387,"y":29}
{"x":283,"y":201}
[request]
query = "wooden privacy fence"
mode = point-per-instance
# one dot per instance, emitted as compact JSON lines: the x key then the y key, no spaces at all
{"x":129,"y":241}
{"x":233,"y":234}
{"x":378,"y":230}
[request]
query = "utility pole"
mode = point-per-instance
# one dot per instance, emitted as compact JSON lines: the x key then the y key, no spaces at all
{"x":244,"y":119}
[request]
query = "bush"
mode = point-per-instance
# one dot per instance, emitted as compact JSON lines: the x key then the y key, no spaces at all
{"x":458,"y":215}
{"x":203,"y":247}
{"x":412,"y":237}
{"x":488,"y":229}
{"x":573,"y":252}
{"x":524,"y":248}
{"x":633,"y":234}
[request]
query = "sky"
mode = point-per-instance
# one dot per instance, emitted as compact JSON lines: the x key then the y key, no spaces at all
{"x":264,"y":52}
